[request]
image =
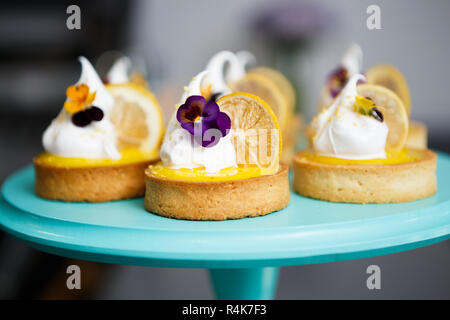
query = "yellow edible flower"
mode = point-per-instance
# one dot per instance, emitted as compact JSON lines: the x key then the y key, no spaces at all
{"x":363,"y":105}
{"x":78,"y":98}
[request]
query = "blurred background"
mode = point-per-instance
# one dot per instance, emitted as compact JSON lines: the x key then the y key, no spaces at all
{"x":170,"y":41}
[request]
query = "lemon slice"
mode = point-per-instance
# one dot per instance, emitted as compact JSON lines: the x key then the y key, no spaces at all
{"x":283,"y":84}
{"x":265,"y":88}
{"x":255,"y":131}
{"x":137,"y":117}
{"x":394,"y":113}
{"x":390,"y":77}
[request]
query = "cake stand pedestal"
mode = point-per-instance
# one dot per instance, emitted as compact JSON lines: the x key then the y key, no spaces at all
{"x":243,"y":255}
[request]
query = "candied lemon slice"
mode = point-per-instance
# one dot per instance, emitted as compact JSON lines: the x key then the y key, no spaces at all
{"x":256,"y":132}
{"x":283,"y":84}
{"x":137,"y":117}
{"x":265,"y":88}
{"x":390,"y":77}
{"x":394,"y":113}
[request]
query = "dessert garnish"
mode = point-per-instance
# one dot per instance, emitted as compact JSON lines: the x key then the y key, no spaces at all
{"x":85,"y":117}
{"x":79,"y":105}
{"x":337,"y":80}
{"x":78,"y":97}
{"x":203,"y":120}
{"x":366,"y":107}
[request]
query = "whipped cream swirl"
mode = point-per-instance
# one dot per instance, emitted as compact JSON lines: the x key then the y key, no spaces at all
{"x":352,"y":60}
{"x":343,"y":133}
{"x":95,"y":141}
{"x":119,"y":72}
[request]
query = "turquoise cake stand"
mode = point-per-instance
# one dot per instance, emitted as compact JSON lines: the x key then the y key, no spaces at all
{"x":243,"y":255}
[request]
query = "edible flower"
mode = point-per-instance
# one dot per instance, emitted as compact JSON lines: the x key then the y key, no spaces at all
{"x":337,"y":81}
{"x":203,"y":120}
{"x":366,"y":107}
{"x":79,"y":105}
{"x":78,"y":98}
{"x":85,"y":117}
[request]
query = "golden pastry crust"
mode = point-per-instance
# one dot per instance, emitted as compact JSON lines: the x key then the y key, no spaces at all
{"x":417,"y":135}
{"x":221,"y":200}
{"x":90,"y":184}
{"x":366,"y":183}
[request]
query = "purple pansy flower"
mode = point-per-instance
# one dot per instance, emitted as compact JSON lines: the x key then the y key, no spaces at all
{"x":337,"y":81}
{"x":203,"y":120}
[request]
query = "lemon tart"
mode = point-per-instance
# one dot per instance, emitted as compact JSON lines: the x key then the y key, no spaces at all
{"x":358,"y":151}
{"x":99,"y":145}
{"x":385,"y":75}
{"x":219,"y":159}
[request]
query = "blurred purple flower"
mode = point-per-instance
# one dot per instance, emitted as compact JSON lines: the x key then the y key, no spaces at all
{"x":293,"y":22}
{"x":337,"y":80}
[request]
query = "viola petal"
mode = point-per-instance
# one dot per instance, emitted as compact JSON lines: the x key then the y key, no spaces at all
{"x":210,"y":137}
{"x":189,"y":126}
{"x":203,"y":120}
{"x":195,"y":101}
{"x":206,"y":134}
{"x":181,"y":113}
{"x":223,"y":123}
{"x":95,"y":113}
{"x":81,"y":119}
{"x":337,"y":80}
{"x":210,"y":111}
{"x":191,"y":110}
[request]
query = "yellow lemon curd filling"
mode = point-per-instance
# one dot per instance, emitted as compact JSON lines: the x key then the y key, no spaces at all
{"x":130,"y":155}
{"x":199,"y":174}
{"x":392,"y":157}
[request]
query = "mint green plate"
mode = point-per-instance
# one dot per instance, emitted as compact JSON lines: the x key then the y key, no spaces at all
{"x":307,"y":231}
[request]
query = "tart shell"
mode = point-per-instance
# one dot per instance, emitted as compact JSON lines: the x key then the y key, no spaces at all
{"x":218,"y":200}
{"x":366,"y":183}
{"x":90,"y":184}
